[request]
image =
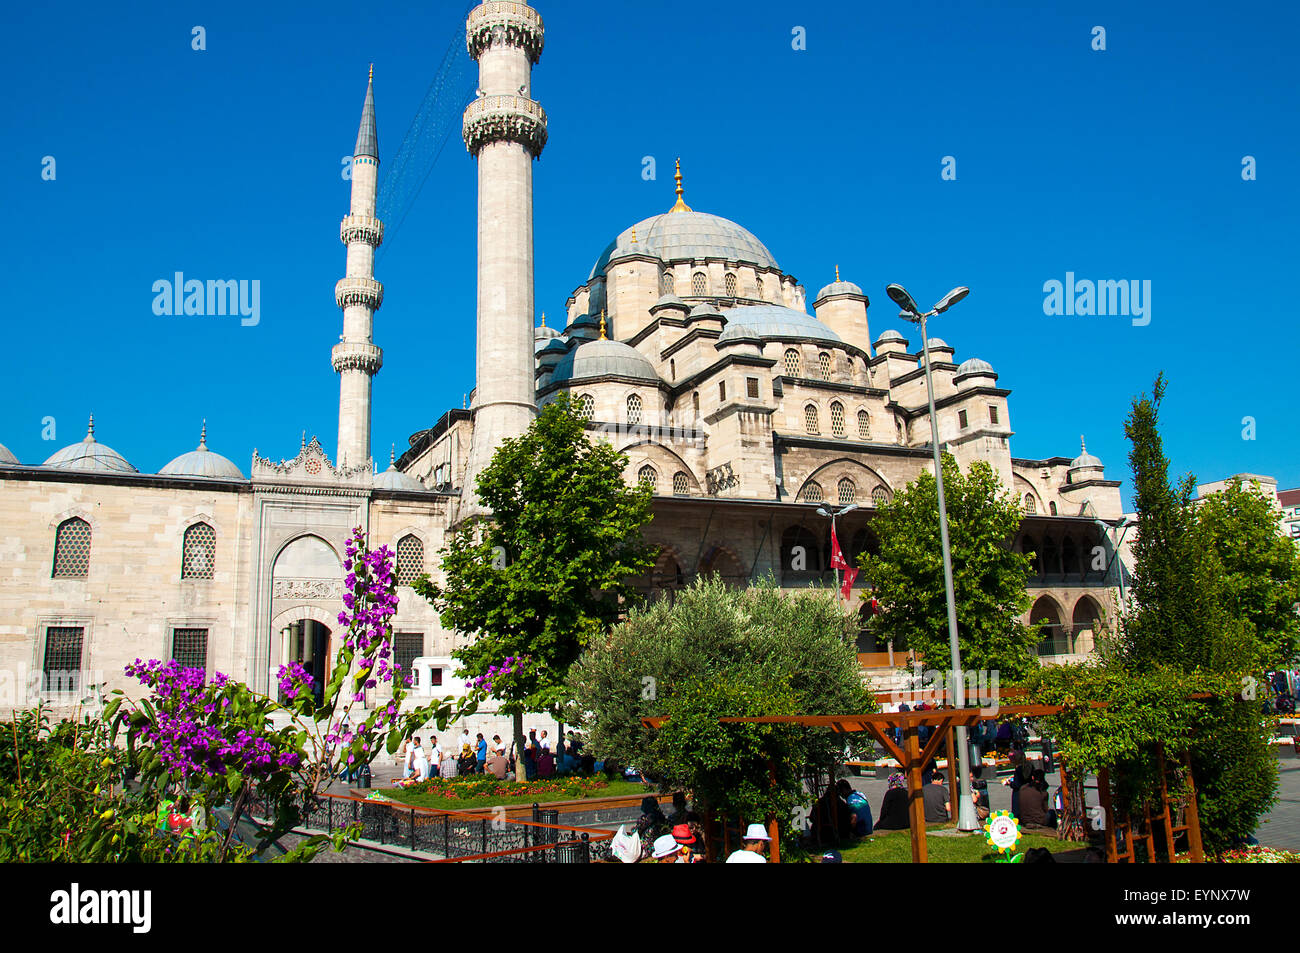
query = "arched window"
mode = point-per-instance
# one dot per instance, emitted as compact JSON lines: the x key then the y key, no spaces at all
{"x":1029,"y":503}
{"x":695,"y":399}
{"x":864,"y":425}
{"x":793,"y":366}
{"x":634,"y":410}
{"x":681,"y":484}
{"x":812,"y":492}
{"x":699,"y":283}
{"x":667,"y":285}
{"x":758,"y":286}
{"x":647,"y":474}
{"x":586,"y":406}
{"x":879,"y":495}
{"x":72,"y":549}
{"x":837,"y":418}
{"x":810,"y":421}
{"x":729,"y":283}
{"x":824,"y":365}
{"x":1051,"y":508}
{"x":198,"y":552}
{"x":410,"y":559}
{"x":846,"y":491}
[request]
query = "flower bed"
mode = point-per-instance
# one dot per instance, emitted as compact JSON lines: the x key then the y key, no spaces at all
{"x":478,"y":787}
{"x":1259,"y":855}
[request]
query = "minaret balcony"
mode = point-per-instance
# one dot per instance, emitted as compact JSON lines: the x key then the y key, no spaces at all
{"x":362,"y":228}
{"x":364,"y":291}
{"x":504,"y":23}
{"x":505,"y":119}
{"x":357,"y":356}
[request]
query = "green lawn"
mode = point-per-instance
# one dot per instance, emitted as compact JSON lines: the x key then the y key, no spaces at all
{"x":895,"y":847}
{"x":425,"y":799}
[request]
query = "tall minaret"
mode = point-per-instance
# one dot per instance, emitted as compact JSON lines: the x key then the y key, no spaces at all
{"x":355,"y":357}
{"x":505,"y":130}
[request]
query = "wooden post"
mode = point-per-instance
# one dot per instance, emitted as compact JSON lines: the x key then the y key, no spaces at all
{"x":954,"y":782}
{"x":710,"y":839}
{"x":773,"y":826}
{"x":915,"y":799}
{"x":1108,"y":816}
{"x":1164,"y":803}
{"x":1193,"y":815}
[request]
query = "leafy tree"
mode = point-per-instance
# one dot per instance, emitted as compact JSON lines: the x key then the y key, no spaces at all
{"x":1260,"y":574}
{"x":804,"y":641}
{"x":988,"y":576}
{"x":547,"y":572}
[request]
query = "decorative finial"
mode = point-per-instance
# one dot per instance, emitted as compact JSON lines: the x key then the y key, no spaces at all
{"x":633,"y":234}
{"x":602,"y":324}
{"x":837,"y":274}
{"x":303,"y":448}
{"x":392,"y":454}
{"x":372,"y":72}
{"x":203,"y":435}
{"x":543,"y":319}
{"x":681,"y":205}
{"x":90,"y":430}
{"x":1082,"y":446}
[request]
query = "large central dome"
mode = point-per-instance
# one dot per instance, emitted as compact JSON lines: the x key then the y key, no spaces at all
{"x":678,"y":235}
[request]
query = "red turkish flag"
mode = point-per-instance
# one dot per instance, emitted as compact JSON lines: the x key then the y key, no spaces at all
{"x":849,"y":576}
{"x":837,"y":557}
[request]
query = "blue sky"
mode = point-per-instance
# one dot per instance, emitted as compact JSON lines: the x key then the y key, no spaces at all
{"x":1117,"y":164}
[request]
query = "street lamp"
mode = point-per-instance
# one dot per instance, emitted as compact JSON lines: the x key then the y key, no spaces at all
{"x":910,"y":312}
{"x":834,"y":514}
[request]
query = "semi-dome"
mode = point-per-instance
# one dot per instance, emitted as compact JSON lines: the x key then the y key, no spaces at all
{"x":686,"y":236}
{"x":395,"y":479}
{"x":604,"y":358}
{"x":7,"y":459}
{"x":774,"y":321}
{"x":202,"y":462}
{"x":90,"y":455}
{"x":704,"y":311}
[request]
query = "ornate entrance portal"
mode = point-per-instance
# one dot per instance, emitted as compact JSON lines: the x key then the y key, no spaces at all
{"x":308,"y":643}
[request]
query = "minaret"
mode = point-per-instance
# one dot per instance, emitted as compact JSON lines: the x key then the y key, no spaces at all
{"x":505,"y":131}
{"x":355,"y":357}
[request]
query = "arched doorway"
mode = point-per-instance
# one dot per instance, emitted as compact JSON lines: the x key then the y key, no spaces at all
{"x":1052,"y":634}
{"x":1086,"y":623}
{"x":307,"y":642}
{"x":723,"y":564}
{"x":306,"y":596}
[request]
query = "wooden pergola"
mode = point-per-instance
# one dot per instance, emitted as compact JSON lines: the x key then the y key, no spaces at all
{"x":914,"y":757}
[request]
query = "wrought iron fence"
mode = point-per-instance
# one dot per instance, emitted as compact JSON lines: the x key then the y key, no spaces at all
{"x":462,"y":837}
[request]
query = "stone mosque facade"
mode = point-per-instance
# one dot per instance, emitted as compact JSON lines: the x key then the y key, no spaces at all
{"x":687,"y":346}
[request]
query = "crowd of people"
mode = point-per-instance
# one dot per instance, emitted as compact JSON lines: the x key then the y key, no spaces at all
{"x":468,"y":755}
{"x":678,"y":838}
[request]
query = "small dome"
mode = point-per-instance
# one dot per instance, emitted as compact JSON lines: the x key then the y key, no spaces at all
{"x":938,"y":344}
{"x":555,"y":346}
{"x":90,"y":455}
{"x":604,"y":358}
{"x":543,"y":333}
{"x":202,"y":463}
{"x":704,"y":311}
{"x":975,"y":366}
{"x":7,"y":459}
{"x":671,"y":301}
{"x":626,"y":248}
{"x":395,"y":479}
{"x":838,"y":287}
{"x":889,"y":336}
{"x":1085,"y":459}
{"x":766,"y":321}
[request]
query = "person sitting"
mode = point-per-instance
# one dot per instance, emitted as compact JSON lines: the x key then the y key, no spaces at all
{"x":861,"y":808}
{"x":466,"y":763}
{"x":935,"y":795}
{"x":545,"y":763}
{"x":979,"y":793}
{"x":498,"y":766}
{"x":1035,"y":814}
{"x":448,"y":769}
{"x":893,"y":809}
{"x":651,"y":825}
{"x":833,"y":819}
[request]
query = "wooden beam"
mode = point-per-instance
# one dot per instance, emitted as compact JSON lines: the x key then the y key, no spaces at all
{"x":954,"y":783}
{"x":1108,"y":816}
{"x":1193,"y":814}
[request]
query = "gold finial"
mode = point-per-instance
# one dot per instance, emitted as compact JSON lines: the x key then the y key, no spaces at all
{"x":633,"y":234}
{"x":837,"y":274}
{"x":681,"y":205}
{"x":543,"y":319}
{"x":372,"y":72}
{"x":602,"y":324}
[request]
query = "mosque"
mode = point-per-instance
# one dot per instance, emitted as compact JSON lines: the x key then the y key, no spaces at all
{"x":686,"y":345}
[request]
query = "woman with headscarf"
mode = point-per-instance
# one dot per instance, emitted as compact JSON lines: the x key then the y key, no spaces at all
{"x":893,"y":809}
{"x":651,"y":825}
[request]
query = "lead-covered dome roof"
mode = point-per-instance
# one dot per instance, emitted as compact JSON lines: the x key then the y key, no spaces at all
{"x":604,"y":358}
{"x":202,"y":462}
{"x":687,"y":235}
{"x":774,"y":321}
{"x":90,"y":455}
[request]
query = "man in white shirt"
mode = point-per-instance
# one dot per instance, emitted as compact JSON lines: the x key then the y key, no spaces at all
{"x":435,"y":753}
{"x":544,"y":741}
{"x":755,"y":849}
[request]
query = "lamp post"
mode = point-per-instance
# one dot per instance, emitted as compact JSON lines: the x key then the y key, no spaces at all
{"x":966,"y":810}
{"x":824,"y":510}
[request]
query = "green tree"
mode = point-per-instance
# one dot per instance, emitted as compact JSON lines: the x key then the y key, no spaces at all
{"x":988,"y":576}
{"x":1260,"y":568}
{"x":548,"y":571}
{"x":804,"y":641}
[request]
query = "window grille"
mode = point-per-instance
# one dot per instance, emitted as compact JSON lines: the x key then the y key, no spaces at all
{"x":72,"y":549}
{"x":879,"y":495}
{"x":961,"y":419}
{"x":864,"y":425}
{"x":847,"y":492}
{"x":190,"y":647}
{"x":586,"y":406}
{"x":62,"y":665}
{"x":730,"y":284}
{"x":410,"y":559}
{"x":699,"y":283}
{"x":837,"y":419}
{"x":810,"y":420}
{"x":668,"y":283}
{"x":634,"y":410}
{"x":993,"y":413}
{"x":751,"y":386}
{"x":824,"y":365}
{"x":812,"y":493}
{"x":1030,"y":506}
{"x":407,"y":647}
{"x":648,"y":474}
{"x":681,"y":484}
{"x":198,"y":552}
{"x":793,"y":366}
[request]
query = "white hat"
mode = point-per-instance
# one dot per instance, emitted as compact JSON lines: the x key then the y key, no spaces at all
{"x":666,"y":846}
{"x":756,"y":832}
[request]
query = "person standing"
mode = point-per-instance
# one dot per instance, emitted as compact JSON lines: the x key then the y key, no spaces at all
{"x":419,"y":761}
{"x":480,"y":753}
{"x":754,"y":850}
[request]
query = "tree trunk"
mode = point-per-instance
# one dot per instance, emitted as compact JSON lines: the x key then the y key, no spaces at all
{"x":520,"y":774}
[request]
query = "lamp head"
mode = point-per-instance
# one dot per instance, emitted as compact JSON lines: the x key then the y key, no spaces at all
{"x":898,"y":294}
{"x":822,"y":511}
{"x":848,"y":509}
{"x":951,"y":298}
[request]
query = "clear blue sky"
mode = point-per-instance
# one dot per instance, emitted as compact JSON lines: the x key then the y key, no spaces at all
{"x":225,"y":164}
